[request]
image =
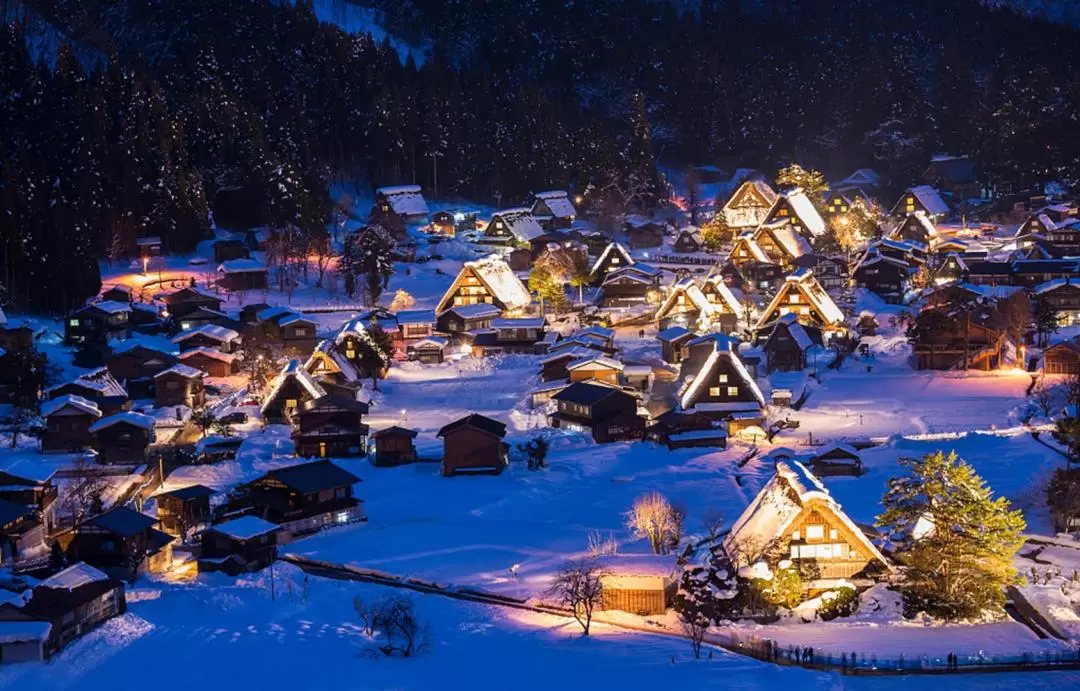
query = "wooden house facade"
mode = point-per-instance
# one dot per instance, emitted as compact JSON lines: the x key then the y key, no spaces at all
{"x":488,"y":281}
{"x":331,"y":426}
{"x":473,"y":444}
{"x":723,"y":389}
{"x":749,"y":205}
{"x":186,"y":300}
{"x":241,"y":545}
{"x":123,"y":438}
{"x":394,"y":446}
{"x":803,"y":296}
{"x":1062,"y":358}
{"x":795,"y":512}
{"x":121,"y":542}
{"x":607,"y":412}
{"x":294,"y":387}
{"x":787,"y":344}
{"x":182,"y":510}
{"x":302,"y":498}
{"x":67,"y":424}
{"x":180,"y":385}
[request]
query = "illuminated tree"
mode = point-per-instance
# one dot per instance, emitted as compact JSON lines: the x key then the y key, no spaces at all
{"x":958,"y":569}
{"x":653,"y":517}
{"x":811,"y":181}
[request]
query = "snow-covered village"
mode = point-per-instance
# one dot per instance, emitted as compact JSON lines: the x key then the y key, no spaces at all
{"x":751,"y":414}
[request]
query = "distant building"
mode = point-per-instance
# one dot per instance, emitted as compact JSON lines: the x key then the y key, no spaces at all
{"x":121,"y":542}
{"x":749,"y":205}
{"x":123,"y":438}
{"x":331,"y":426}
{"x":802,"y":295}
{"x":242,"y":274}
{"x":554,"y":209}
{"x":302,"y":498}
{"x":394,"y":446}
{"x":956,"y":176}
{"x":67,"y":424}
{"x":607,"y":412}
{"x":241,"y":545}
{"x":488,"y":281}
{"x":404,"y":201}
{"x":513,"y":226}
{"x":182,"y":510}
{"x":473,"y":444}
{"x":180,"y":385}
{"x":922,"y":198}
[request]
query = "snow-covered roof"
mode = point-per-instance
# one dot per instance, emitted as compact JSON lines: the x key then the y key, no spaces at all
{"x":624,"y":254}
{"x":722,"y":349}
{"x":78,"y":402}
{"x":791,"y":240}
{"x":748,"y":241}
{"x":654,"y":565}
{"x":520,"y":222}
{"x":814,"y":293}
{"x":327,"y":350}
{"x":436,"y":341}
{"x":503,"y":283}
{"x":923,"y":220}
{"x":797,"y":331}
{"x":212,"y":353}
{"x":626,"y":274}
{"x":1054,"y":284}
{"x":781,"y":501}
{"x":272,"y":312}
{"x":110,"y":306}
{"x":673,"y":332}
{"x":241,"y":266}
{"x":862,"y":176}
{"x":182,"y":370}
{"x":296,"y":318}
{"x":477,"y":311}
{"x":692,"y":291}
{"x":518,"y":323}
{"x":600,"y":360}
{"x":416,"y":317}
{"x":147,"y":241}
{"x":712,"y":433}
{"x":574,"y":353}
{"x":874,"y":256}
{"x":405,"y":200}
{"x":558,"y":202}
{"x":244,"y":528}
{"x":127,"y":417}
{"x":807,"y":213}
{"x":594,"y":330}
{"x":100,"y":380}
{"x":930,"y":199}
{"x":728,"y":297}
{"x":843,"y":448}
{"x":24,"y":631}
{"x":639,"y":221}
{"x":74,"y":576}
{"x":222,"y":334}
{"x":740,"y":215}
{"x":293,"y":370}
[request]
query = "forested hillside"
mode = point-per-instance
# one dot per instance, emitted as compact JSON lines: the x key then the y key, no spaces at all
{"x":154,"y":105}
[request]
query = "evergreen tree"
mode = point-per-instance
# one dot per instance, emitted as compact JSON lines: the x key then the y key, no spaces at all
{"x":960,"y":567}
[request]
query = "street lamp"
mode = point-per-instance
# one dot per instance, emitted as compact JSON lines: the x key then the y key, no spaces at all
{"x":145,"y":264}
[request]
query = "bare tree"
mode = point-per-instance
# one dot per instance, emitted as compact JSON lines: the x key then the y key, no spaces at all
{"x":578,"y":585}
{"x":694,"y":624}
{"x":1043,"y":395}
{"x":403,"y":631}
{"x":85,"y":489}
{"x":746,"y":551}
{"x":713,"y":520}
{"x":600,"y":545}
{"x":652,"y":516}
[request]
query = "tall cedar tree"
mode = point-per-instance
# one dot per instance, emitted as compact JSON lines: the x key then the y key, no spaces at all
{"x":960,"y":567}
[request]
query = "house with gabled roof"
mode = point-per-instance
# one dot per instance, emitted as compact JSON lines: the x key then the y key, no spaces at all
{"x":951,"y":269}
{"x":628,"y":286}
{"x":302,"y":498}
{"x":487,"y":281}
{"x":331,"y":426}
{"x":329,"y":363}
{"x":394,"y":445}
{"x":293,"y":387}
{"x":688,"y":240}
{"x":1063,"y":294}
{"x":887,"y":277}
{"x":513,"y":226}
{"x":554,"y":209}
{"x":723,"y":389}
{"x":797,"y":210}
{"x":67,"y":423}
{"x":180,"y":510}
{"x":643,"y":232}
{"x":242,"y":274}
{"x":921,"y":198}
{"x":957,"y":176}
{"x":461,"y":320}
{"x":182,"y":302}
{"x":794,"y":517}
{"x":607,"y":412}
{"x":209,"y":336}
{"x":1062,"y":358}
{"x":211,"y":361}
{"x":614,"y":258}
{"x":802,"y":295}
{"x":180,"y":385}
{"x":123,"y":438}
{"x":473,"y":444}
{"x":121,"y":542}
{"x":57,"y":611}
{"x":781,"y":242}
{"x":404,"y":201}
{"x":862,"y":179}
{"x":786,"y":343}
{"x":916,"y":227}
{"x":746,"y":250}
{"x":240,"y":545}
{"x":138,"y":363}
{"x":672,"y":340}
{"x":99,"y":386}
{"x":97,"y":322}
{"x":594,"y":366}
{"x":749,"y":205}
{"x":688,"y":305}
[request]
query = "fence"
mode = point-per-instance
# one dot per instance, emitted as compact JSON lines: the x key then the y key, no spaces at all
{"x":852,"y":662}
{"x":694,"y":260}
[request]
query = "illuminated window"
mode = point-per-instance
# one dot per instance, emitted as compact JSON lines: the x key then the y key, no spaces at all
{"x":290,"y":403}
{"x":793,"y":298}
{"x":723,"y":379}
{"x":74,"y":322}
{"x":832,"y":534}
{"x":815,"y":532}
{"x":714,"y":391}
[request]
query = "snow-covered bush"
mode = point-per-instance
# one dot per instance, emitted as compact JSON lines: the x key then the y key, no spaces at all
{"x":842,"y":602}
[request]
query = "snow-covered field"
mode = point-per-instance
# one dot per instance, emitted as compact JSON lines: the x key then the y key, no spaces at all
{"x":470,"y":531}
{"x":219,"y":633}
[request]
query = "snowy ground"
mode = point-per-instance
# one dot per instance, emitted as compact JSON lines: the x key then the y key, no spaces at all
{"x":215,"y":632}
